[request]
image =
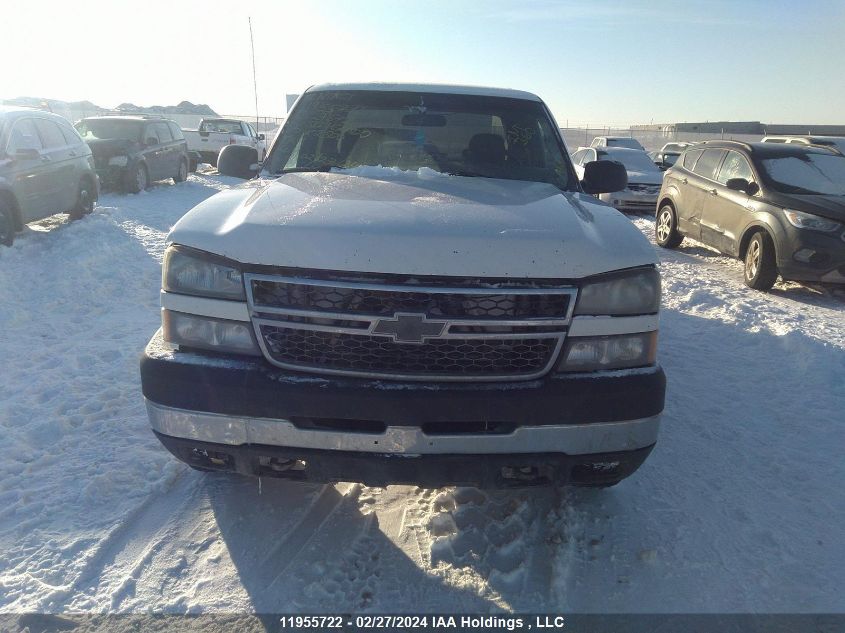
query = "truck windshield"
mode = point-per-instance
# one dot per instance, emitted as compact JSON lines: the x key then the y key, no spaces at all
{"x":93,"y":129}
{"x":466,"y":135}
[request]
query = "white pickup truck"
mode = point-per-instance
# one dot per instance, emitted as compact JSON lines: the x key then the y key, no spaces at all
{"x":415,"y":289}
{"x":212,"y":135}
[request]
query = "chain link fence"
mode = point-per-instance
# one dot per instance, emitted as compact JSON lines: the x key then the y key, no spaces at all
{"x":650,"y":139}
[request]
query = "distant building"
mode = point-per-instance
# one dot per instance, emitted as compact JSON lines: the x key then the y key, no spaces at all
{"x":741,"y":127}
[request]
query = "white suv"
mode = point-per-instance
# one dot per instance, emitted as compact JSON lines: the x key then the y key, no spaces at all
{"x":416,"y":289}
{"x":835,"y":143}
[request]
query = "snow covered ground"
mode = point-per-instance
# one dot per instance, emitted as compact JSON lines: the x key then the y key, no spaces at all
{"x":740,"y":507}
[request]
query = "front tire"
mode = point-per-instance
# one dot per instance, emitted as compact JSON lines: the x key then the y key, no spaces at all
{"x":7,"y":224}
{"x":182,"y":174}
{"x":84,"y":201}
{"x":760,"y":270}
{"x":138,"y":179}
{"x":666,"y":228}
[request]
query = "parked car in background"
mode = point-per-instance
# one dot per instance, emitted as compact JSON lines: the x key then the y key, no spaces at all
{"x":663,"y":159}
{"x":417,"y":289}
{"x":778,"y":206}
{"x":215,"y":134}
{"x":616,"y":141}
{"x":836,"y":143}
{"x":644,"y":177}
{"x":45,"y":168}
{"x":130,"y":152}
{"x":676,"y":146}
{"x":667,"y":155}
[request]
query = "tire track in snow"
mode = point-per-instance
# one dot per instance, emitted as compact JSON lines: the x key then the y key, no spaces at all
{"x":127,"y":546}
{"x":280,"y":557}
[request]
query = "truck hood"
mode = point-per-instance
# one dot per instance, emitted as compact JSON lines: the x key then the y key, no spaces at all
{"x":415,"y":223}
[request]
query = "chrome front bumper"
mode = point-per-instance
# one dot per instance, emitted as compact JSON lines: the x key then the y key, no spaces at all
{"x":571,"y":439}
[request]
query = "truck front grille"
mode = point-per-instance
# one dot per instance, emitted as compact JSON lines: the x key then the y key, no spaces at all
{"x":409,"y":331}
{"x":652,"y":190}
{"x":376,"y":302}
{"x":438,"y":357}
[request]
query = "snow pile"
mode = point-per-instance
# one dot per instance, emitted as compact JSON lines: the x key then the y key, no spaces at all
{"x":380,"y":172}
{"x":79,"y":302}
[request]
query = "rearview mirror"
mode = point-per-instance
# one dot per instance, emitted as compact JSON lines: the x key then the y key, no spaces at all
{"x":424,"y":120}
{"x":239,"y":161}
{"x":151,"y":140}
{"x":261,"y":137}
{"x":604,"y":176}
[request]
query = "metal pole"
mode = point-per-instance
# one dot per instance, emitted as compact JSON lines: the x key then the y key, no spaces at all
{"x":254,"y":82}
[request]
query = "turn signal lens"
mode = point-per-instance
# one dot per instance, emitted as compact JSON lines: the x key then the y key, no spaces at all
{"x":609,"y":352}
{"x":217,"y":335}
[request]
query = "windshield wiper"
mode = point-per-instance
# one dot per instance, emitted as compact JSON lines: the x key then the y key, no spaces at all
{"x":297,"y":170}
{"x":467,"y":173}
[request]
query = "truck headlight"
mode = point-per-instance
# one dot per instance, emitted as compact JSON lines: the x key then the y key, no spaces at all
{"x":195,"y":273}
{"x":801,"y":220}
{"x":199,"y":332}
{"x":629,"y":293}
{"x":118,"y":161}
{"x":596,"y":353}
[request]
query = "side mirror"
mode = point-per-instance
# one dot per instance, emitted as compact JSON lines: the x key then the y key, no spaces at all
{"x":27,"y":153}
{"x":741,"y":184}
{"x":604,"y":176}
{"x":239,"y":161}
{"x":151,"y":140}
{"x":261,"y":137}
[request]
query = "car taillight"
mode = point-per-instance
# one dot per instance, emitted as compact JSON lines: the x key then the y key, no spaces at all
{"x":232,"y":140}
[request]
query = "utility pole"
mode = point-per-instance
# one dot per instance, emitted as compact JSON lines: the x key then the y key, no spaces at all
{"x":254,"y":82}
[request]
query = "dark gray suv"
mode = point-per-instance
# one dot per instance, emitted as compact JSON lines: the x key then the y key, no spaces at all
{"x":45,"y":168}
{"x":130,"y":152}
{"x":779,"y":207}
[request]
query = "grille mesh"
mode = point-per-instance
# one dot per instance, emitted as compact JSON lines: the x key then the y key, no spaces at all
{"x":374,"y":354}
{"x":650,"y":189}
{"x":374,"y":302}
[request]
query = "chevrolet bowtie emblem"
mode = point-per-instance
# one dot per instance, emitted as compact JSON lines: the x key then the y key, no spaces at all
{"x":409,"y":328}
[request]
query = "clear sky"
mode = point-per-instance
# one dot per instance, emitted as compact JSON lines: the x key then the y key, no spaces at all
{"x":601,"y":62}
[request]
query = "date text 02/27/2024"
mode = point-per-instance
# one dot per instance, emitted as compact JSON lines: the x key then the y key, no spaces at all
{"x":433,"y":622}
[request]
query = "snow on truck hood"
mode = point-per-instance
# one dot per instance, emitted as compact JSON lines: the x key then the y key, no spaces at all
{"x":415,"y":223}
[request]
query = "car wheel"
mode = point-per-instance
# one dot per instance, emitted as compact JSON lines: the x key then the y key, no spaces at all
{"x":182,"y":176}
{"x":7,"y":224}
{"x":138,"y":179}
{"x":84,"y":201}
{"x":666,"y":228}
{"x":760,"y":270}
